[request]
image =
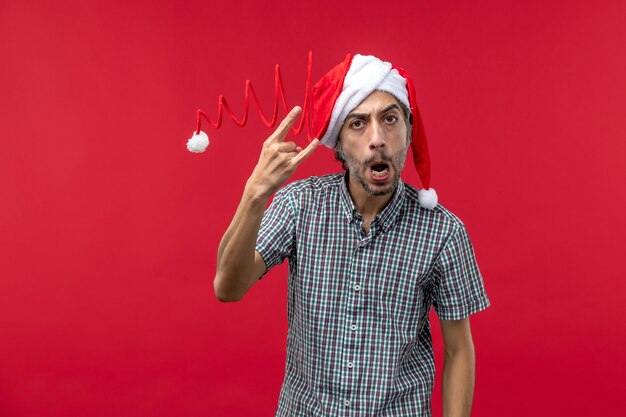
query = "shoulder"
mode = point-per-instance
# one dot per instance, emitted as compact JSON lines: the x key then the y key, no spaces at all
{"x":439,"y":217}
{"x":312,"y":187}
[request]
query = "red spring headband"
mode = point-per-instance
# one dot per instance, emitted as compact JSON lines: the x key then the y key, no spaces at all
{"x":279,"y":93}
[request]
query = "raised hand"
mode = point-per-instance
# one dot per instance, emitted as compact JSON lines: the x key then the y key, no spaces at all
{"x":279,"y":159}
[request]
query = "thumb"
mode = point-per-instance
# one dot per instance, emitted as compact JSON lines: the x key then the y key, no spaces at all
{"x":306,"y":152}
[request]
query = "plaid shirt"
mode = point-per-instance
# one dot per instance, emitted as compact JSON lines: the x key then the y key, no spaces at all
{"x":359,"y":340}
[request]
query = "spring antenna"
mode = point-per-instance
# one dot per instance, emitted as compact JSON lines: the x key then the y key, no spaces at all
{"x":279,"y":93}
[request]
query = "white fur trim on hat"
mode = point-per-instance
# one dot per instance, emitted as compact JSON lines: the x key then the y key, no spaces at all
{"x":366,"y":75}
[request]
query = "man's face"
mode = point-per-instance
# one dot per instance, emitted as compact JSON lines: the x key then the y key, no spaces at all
{"x":373,"y":142}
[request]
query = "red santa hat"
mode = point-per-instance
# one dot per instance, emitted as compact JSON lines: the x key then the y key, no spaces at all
{"x":344,"y":87}
{"x":330,"y":101}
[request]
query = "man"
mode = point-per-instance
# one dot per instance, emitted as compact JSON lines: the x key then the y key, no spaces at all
{"x":368,"y":256}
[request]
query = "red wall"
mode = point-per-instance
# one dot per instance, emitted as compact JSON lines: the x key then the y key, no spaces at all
{"x":109,"y":227}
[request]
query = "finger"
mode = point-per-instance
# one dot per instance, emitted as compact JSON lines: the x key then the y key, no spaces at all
{"x":286,"y":146}
{"x":282,"y":130}
{"x":290,"y":155}
{"x":306,"y":152}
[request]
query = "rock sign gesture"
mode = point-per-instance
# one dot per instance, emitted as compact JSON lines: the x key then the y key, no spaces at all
{"x":279,"y":159}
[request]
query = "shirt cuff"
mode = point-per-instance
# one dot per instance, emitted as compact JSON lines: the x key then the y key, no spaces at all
{"x":464,"y":310}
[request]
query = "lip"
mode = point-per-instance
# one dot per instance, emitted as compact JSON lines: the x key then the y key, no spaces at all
{"x":378,"y":161}
{"x":379,"y":179}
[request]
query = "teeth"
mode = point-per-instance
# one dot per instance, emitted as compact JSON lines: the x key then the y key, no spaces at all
{"x":380,"y":173}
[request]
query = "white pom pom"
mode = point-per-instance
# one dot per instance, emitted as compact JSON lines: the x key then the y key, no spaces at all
{"x":198,"y":143}
{"x":427,"y":198}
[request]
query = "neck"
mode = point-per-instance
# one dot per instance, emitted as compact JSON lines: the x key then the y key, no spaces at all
{"x":366,"y":204}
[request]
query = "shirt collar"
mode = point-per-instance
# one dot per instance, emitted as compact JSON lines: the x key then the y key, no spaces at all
{"x":387,"y":217}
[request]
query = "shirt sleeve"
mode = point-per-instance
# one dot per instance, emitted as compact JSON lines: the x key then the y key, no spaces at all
{"x":458,"y":288}
{"x":275,"y":240}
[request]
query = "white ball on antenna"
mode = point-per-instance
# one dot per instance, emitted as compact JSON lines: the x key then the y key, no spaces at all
{"x":198,"y":142}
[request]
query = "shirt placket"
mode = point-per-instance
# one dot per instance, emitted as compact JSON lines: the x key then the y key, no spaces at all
{"x":354,"y":296}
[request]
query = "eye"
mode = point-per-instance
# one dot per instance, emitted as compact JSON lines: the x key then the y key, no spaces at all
{"x":391,"y":119}
{"x":357,"y":124}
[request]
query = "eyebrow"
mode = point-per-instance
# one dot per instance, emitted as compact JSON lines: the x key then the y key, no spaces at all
{"x":364,"y":115}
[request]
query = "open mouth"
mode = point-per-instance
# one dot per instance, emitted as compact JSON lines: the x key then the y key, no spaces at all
{"x":379,"y":170}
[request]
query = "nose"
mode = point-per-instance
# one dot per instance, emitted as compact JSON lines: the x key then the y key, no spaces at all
{"x":377,"y":136}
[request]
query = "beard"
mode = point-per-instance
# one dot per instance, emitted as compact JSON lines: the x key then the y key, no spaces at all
{"x":358,"y":169}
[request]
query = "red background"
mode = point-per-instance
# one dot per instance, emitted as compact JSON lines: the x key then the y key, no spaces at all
{"x":109,"y":227}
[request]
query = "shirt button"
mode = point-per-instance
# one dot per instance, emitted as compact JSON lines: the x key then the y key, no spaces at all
{"x":357,"y":287}
{"x":347,"y":403}
{"x":350,"y":364}
{"x":353,"y":327}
